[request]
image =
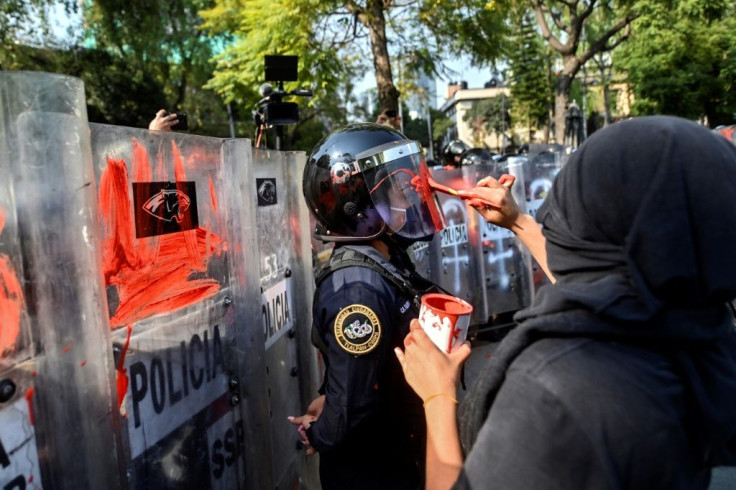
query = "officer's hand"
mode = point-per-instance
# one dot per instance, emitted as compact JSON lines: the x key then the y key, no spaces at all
{"x":303,"y":422}
{"x":427,"y":369}
{"x":498,"y":192}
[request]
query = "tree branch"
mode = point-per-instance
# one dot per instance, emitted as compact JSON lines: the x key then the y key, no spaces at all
{"x":546,"y":33}
{"x":601,"y":44}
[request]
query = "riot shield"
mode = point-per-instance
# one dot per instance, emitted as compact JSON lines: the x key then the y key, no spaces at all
{"x":56,"y":378}
{"x":472,"y":259}
{"x":287,"y":287}
{"x":177,"y":227}
{"x":540,"y":167}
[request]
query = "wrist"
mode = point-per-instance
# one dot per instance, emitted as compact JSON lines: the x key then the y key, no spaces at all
{"x":441,"y":395}
{"x":521,"y":223}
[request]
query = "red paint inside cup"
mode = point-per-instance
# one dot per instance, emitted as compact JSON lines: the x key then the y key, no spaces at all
{"x":447,"y":304}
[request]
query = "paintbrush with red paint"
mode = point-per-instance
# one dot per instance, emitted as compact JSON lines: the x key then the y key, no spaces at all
{"x":505,"y":180}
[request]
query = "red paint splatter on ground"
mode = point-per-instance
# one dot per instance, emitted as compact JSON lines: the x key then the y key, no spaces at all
{"x":122,"y":376}
{"x":152,"y":275}
{"x":11,"y":301}
{"x":84,"y":363}
{"x":66,"y":349}
{"x":29,"y":400}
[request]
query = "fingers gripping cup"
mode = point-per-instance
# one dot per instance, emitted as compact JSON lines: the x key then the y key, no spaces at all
{"x":445,"y":319}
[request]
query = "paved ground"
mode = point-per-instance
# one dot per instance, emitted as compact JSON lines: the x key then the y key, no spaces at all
{"x":723,"y":478}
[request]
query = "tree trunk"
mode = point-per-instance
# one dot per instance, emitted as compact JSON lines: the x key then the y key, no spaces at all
{"x":388,"y":95}
{"x":562,"y":98}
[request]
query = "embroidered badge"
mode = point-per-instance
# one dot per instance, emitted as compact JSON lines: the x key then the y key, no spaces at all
{"x":357,"y":329}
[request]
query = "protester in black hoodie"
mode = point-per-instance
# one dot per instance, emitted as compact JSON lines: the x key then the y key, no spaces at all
{"x":621,"y":374}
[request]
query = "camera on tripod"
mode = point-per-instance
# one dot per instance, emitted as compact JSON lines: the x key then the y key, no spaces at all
{"x":272,"y":110}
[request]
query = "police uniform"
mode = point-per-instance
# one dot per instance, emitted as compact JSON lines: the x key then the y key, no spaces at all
{"x":362,"y":183}
{"x":371,"y":433}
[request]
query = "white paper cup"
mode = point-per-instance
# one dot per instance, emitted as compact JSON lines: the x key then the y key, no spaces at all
{"x":445,"y":319}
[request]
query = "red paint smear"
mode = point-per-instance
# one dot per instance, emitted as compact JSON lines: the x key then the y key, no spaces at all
{"x":11,"y":305}
{"x":30,"y":479}
{"x":213,"y":196}
{"x":428,"y":197}
{"x":11,"y":300}
{"x":29,"y":400}
{"x":153,"y":275}
{"x":84,"y":363}
{"x":122,"y":376}
{"x":66,"y":349}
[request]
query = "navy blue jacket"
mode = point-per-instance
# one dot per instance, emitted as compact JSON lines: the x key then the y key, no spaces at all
{"x":371,"y":433}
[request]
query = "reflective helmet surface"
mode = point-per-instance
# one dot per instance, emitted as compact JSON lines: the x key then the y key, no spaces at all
{"x":454,"y":148}
{"x":364,"y":180}
{"x":476,"y":156}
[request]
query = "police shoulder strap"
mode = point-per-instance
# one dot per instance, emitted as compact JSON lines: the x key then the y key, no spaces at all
{"x":348,"y":257}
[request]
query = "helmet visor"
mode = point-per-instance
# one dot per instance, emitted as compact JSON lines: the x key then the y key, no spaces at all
{"x":397,"y":178}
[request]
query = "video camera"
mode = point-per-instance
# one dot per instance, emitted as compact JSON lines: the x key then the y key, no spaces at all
{"x":272,"y":110}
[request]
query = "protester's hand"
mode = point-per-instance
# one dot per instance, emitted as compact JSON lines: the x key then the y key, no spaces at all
{"x":505,"y":211}
{"x":163,"y":121}
{"x":304,"y":421}
{"x":427,"y":369}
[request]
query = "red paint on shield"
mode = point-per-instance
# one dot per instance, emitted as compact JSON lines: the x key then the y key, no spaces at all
{"x":153,"y":275}
{"x":121,"y":375}
{"x":29,"y":400}
{"x":11,"y":301}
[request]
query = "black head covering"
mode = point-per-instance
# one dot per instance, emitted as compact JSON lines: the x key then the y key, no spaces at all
{"x":641,"y":237}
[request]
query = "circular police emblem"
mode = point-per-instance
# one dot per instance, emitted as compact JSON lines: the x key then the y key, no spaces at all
{"x":357,"y":329}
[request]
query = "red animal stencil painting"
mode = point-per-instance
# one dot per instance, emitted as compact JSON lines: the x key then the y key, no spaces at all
{"x":11,"y":301}
{"x":155,"y":254}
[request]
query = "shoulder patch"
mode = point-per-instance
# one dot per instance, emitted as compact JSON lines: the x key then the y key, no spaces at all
{"x":357,"y":329}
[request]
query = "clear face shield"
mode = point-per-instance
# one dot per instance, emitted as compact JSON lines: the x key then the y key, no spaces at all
{"x":396,"y":176}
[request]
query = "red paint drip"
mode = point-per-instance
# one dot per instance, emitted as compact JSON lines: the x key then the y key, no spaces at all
{"x":29,"y":400}
{"x":152,"y":275}
{"x":122,"y":376}
{"x":429,"y":199}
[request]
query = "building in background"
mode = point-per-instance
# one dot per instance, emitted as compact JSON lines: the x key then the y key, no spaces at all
{"x":458,"y":101}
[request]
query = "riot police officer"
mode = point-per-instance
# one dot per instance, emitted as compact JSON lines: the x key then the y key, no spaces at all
{"x":366,"y":186}
{"x":453,"y":153}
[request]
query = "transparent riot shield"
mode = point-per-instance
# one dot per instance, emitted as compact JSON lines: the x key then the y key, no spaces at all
{"x":539,"y":169}
{"x":472,"y":259}
{"x":287,"y":287}
{"x":177,"y":225}
{"x":55,"y":425}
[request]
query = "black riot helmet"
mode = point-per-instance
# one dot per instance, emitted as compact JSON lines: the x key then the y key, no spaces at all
{"x":476,"y":156}
{"x":366,"y":180}
{"x":453,"y":151}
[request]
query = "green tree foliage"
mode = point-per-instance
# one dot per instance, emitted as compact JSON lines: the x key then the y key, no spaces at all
{"x":160,"y":43}
{"x":682,"y":60}
{"x":530,"y":77}
{"x":26,"y":22}
{"x":562,"y":23}
{"x":338,"y":40}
